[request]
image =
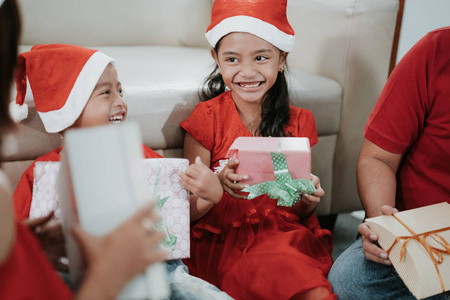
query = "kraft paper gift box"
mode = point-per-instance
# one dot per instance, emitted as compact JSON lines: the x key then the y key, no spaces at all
{"x":255,"y":159}
{"x":417,"y":243}
{"x":161,"y":177}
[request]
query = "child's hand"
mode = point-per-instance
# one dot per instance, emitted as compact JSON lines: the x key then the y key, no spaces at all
{"x":230,"y":180}
{"x":49,"y":233}
{"x":202,"y":182}
{"x":314,"y":198}
{"x":308,"y":203}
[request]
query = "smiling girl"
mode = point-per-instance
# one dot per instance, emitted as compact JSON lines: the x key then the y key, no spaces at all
{"x":252,"y":249}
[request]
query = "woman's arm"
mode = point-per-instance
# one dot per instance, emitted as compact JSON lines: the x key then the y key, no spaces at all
{"x":6,"y":221}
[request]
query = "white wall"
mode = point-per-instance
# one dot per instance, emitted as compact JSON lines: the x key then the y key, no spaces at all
{"x":420,"y":17}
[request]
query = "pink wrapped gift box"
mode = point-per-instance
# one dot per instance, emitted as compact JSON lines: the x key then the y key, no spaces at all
{"x":255,"y":159}
{"x":175,"y":211}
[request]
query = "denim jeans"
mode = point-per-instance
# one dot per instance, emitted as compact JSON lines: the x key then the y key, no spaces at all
{"x":352,"y":276}
{"x":185,"y":286}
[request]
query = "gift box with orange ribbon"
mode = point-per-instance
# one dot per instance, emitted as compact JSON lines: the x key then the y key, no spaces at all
{"x":417,"y":242}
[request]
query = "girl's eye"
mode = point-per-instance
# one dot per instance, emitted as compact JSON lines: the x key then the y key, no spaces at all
{"x":232,"y":59}
{"x":107,"y":92}
{"x":260,"y":58}
{"x":120,"y":92}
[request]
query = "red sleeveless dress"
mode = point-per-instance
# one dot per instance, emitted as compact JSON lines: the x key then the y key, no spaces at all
{"x":253,"y":249}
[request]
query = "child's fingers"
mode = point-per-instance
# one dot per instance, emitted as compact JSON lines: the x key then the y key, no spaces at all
{"x":232,"y":164}
{"x":236,"y":177}
{"x":233,"y":193}
{"x":192,"y":172}
{"x":319,"y":191}
{"x":235,"y":186}
{"x":33,"y":223}
{"x":308,"y":199}
{"x":186,"y":181}
{"x":315,"y":180}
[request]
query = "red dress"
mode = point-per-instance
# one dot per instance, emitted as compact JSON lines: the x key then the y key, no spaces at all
{"x":253,"y":249}
{"x":24,"y":191}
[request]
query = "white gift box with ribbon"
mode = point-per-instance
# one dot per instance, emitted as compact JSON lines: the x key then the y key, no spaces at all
{"x":417,"y":241}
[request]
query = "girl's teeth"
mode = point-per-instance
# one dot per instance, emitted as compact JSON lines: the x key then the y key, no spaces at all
{"x":116,"y":119}
{"x":249,"y":85}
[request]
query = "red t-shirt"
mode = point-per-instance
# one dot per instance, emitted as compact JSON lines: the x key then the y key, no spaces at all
{"x":24,"y":192}
{"x":27,"y":274}
{"x":412,"y":117}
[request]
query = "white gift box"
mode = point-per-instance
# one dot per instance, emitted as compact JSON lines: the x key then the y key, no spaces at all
{"x":175,"y":211}
{"x":100,"y":185}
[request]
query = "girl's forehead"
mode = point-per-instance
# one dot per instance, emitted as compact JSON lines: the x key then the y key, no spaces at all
{"x":244,"y":40}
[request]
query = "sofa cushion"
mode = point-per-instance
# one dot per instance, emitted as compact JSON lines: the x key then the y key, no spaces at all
{"x":116,"y":22}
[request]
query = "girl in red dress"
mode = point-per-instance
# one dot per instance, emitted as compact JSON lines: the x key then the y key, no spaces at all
{"x":251,"y":249}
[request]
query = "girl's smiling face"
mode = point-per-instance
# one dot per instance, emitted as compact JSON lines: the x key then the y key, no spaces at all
{"x":106,"y":104}
{"x":249,"y":65}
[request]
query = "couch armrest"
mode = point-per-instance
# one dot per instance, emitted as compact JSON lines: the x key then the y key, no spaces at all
{"x":349,"y":41}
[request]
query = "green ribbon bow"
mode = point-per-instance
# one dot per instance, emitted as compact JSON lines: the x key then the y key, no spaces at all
{"x":288,"y":191}
{"x":170,"y":240}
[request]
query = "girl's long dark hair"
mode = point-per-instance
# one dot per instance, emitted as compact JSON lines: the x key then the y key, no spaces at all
{"x":275,"y":111}
{"x":9,"y":39}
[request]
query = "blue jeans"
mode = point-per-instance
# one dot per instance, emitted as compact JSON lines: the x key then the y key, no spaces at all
{"x":187,"y":287}
{"x":352,"y":276}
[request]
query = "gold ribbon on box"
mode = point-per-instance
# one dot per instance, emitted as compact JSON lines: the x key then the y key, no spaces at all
{"x":434,"y":253}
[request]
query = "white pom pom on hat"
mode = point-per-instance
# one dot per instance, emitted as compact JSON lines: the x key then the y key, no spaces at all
{"x":62,"y":78}
{"x":266,"y":19}
{"x":18,"y":112}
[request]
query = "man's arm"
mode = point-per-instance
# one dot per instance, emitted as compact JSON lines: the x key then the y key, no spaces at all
{"x":376,"y":176}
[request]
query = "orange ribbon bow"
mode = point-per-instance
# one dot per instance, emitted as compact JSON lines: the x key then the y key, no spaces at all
{"x":435,"y":253}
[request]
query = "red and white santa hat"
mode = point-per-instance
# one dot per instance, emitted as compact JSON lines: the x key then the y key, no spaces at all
{"x":264,"y":18}
{"x":62,"y":78}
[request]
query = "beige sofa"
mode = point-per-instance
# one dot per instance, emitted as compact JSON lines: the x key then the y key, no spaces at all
{"x":337,"y":69}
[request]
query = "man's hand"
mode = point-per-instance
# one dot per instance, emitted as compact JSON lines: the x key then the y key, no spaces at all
{"x":372,"y":250}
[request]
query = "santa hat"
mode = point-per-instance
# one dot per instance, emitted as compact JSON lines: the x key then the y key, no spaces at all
{"x":264,"y":18}
{"x":62,"y":78}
